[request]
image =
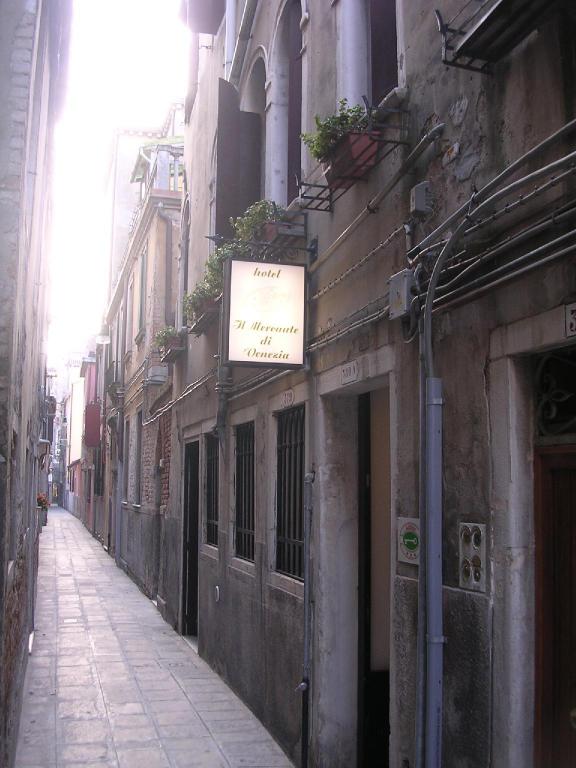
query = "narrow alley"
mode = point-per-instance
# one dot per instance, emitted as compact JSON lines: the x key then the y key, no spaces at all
{"x":109,"y":683}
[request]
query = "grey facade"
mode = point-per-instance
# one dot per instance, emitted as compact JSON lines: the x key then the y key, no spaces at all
{"x":33,"y":49}
{"x":134,"y":379}
{"x":503,"y":301}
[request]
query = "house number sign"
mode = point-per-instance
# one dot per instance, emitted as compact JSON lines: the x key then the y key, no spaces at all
{"x":266,"y":314}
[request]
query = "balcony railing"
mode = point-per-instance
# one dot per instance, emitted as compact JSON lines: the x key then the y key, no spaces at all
{"x":166,"y":175}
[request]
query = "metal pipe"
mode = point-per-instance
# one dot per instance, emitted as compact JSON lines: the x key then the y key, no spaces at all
{"x":244,"y":34}
{"x":460,"y":229}
{"x":421,"y":636}
{"x":120,"y":433}
{"x":422,"y":145}
{"x":304,"y":686}
{"x":464,"y":292}
{"x":525,"y":235}
{"x":434,"y":619}
{"x":537,"y":150}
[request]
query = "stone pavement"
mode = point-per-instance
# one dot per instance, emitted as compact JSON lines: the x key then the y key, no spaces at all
{"x":109,"y":683}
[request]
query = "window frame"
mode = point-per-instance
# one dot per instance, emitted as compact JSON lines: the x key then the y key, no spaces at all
{"x":289,"y":549}
{"x":244,"y":493}
{"x":211,"y":489}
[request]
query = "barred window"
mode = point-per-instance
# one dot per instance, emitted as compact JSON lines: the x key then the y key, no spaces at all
{"x":245,"y":491}
{"x":212,"y":489}
{"x":290,"y":492}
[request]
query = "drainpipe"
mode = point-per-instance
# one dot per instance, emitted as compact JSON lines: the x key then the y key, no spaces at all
{"x":120,"y":434}
{"x":304,"y":686}
{"x":244,"y":34}
{"x":230,"y":44}
{"x":421,"y":636}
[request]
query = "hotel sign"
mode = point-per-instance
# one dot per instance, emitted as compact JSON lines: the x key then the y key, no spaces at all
{"x":265,"y":314}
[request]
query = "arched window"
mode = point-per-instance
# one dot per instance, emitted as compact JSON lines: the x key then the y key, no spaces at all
{"x":286,"y":105}
{"x":383,"y":49}
{"x":254,"y":100}
{"x":367,"y":50}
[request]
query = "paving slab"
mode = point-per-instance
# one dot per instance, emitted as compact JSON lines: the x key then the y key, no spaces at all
{"x":110,"y":684}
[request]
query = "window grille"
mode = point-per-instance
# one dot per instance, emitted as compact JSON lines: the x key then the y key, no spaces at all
{"x":289,"y":492}
{"x":245,"y":491}
{"x":212,"y":490}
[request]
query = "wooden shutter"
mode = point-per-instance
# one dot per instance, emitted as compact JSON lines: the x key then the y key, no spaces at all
{"x":237,"y":159}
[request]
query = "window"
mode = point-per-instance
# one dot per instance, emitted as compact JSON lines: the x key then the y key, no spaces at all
{"x":294,"y":100}
{"x":212,"y":457}
{"x":244,"y":535}
{"x":130,"y":316}
{"x":126,"y":455}
{"x":290,"y":492}
{"x":138,"y":462}
{"x":284,"y":117}
{"x":98,"y":472}
{"x":383,"y":48}
{"x":143,"y":271}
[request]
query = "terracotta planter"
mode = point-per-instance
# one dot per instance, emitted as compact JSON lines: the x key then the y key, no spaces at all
{"x":171,"y":349}
{"x":353,"y":157}
{"x":275,"y":229}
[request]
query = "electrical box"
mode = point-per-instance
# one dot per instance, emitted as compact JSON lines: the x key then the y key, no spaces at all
{"x":421,"y":200}
{"x":401,"y":293}
{"x":472,"y":556}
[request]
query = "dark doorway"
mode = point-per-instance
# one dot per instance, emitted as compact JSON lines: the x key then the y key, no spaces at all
{"x":373,"y":580}
{"x":556,"y":606}
{"x":190,"y":539}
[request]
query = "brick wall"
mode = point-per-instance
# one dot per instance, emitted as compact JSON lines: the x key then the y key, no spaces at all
{"x":165,"y":432}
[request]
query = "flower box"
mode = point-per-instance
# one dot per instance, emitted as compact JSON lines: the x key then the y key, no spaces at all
{"x":205,"y":315}
{"x":353,"y":157}
{"x":272,"y":230}
{"x":171,"y":348}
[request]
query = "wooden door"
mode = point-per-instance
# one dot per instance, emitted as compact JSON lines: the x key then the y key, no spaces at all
{"x":190,"y":539}
{"x":555,"y":742}
{"x":373,"y":580}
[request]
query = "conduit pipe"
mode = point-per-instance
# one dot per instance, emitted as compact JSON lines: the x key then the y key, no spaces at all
{"x":372,"y":204}
{"x":432,"y":437}
{"x":304,"y":686}
{"x":478,"y":199}
{"x":534,"y":152}
{"x":244,"y":34}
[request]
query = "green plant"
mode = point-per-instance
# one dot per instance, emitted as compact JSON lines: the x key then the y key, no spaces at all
{"x":330,"y":130}
{"x":246,"y":229}
{"x":42,"y":501}
{"x":165,"y":335}
{"x":247,"y":226}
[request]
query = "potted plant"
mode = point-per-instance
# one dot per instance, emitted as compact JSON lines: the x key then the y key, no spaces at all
{"x":343,"y":145}
{"x":169,"y":342}
{"x":42,"y":504}
{"x":167,"y":337}
{"x":250,"y":225}
{"x":204,"y":298}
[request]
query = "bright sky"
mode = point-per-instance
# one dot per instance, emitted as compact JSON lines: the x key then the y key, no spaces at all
{"x":128,"y":63}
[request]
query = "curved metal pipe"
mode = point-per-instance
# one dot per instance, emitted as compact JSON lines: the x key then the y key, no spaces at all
{"x":525,"y":158}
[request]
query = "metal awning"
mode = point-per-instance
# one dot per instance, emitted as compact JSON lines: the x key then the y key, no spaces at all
{"x":485,"y":31}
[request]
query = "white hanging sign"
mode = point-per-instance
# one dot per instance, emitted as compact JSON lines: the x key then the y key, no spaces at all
{"x":266,"y":314}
